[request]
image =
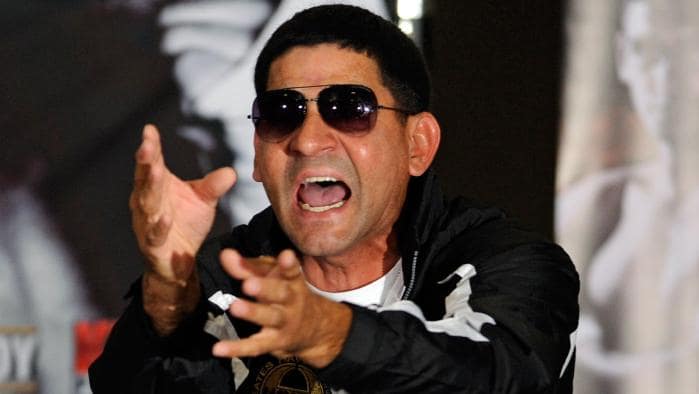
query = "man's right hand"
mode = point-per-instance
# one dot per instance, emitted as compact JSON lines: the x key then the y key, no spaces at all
{"x":171,"y":218}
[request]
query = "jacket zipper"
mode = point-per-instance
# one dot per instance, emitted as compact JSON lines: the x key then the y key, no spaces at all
{"x":413,"y":270}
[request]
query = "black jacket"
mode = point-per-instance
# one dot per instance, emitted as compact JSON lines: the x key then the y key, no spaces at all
{"x":487,"y":308}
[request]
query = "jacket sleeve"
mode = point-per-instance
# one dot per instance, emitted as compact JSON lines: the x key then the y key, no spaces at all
{"x":508,"y":328}
{"x":136,"y":360}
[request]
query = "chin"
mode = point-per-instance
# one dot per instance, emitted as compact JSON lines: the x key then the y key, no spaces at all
{"x":318,"y":245}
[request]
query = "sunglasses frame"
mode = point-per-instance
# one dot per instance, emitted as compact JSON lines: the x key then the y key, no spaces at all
{"x":368,"y":117}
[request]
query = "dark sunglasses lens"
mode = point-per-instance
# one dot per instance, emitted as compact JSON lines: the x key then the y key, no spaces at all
{"x":351,"y":109}
{"x":277,"y":114}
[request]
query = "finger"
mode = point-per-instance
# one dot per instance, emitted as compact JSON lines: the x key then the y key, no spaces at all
{"x":214,"y":184}
{"x":252,"y":346}
{"x":269,"y":290}
{"x":261,"y":265}
{"x":263,"y":315}
{"x":148,"y":153}
{"x":231,"y":263}
{"x":289,"y":265}
{"x":150,"y":173}
{"x":151,"y":137}
{"x":243,"y":268}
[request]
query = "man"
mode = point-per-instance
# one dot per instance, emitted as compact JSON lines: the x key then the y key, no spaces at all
{"x":436,"y":297}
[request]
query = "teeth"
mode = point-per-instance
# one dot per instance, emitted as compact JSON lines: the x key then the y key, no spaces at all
{"x":307,"y":207}
{"x":316,"y":179}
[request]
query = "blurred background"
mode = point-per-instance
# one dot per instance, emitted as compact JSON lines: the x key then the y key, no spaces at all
{"x":578,"y":118}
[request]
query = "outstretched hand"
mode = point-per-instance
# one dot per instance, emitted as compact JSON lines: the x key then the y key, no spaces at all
{"x":171,"y":218}
{"x":294,"y":320}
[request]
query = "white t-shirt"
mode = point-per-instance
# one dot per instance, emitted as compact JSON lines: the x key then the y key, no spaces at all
{"x":383,"y":291}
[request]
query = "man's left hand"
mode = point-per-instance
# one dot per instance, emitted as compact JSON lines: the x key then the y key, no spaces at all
{"x":294,"y":320}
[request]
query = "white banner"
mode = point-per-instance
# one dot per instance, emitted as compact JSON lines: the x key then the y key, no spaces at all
{"x":627,"y":205}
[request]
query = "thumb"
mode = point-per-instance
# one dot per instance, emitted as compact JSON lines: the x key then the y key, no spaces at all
{"x":215,"y":184}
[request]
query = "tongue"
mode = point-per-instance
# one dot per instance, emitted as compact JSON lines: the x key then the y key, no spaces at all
{"x":319,"y":196}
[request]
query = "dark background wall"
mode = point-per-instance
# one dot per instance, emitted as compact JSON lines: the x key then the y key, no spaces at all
{"x":496,"y":68}
{"x":80,"y":78}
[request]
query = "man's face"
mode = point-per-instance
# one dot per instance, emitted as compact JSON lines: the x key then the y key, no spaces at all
{"x":369,"y":172}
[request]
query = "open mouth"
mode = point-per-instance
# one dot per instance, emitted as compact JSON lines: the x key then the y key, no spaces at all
{"x":320,"y":194}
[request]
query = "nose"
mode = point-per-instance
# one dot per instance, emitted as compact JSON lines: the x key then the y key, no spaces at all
{"x":314,"y":136}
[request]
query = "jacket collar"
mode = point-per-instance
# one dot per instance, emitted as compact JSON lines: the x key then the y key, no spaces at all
{"x":422,"y":212}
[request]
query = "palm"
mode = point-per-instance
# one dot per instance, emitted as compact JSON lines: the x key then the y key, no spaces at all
{"x":192,"y":217}
{"x":171,"y":217}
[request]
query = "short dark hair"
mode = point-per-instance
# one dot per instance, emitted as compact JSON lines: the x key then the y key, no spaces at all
{"x":402,"y":66}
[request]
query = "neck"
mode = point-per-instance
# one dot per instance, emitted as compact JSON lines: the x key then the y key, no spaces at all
{"x":352,"y":269}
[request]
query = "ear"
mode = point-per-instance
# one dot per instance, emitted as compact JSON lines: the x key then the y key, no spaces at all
{"x":424,"y":137}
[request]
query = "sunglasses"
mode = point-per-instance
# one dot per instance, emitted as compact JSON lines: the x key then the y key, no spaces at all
{"x":351,"y":109}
